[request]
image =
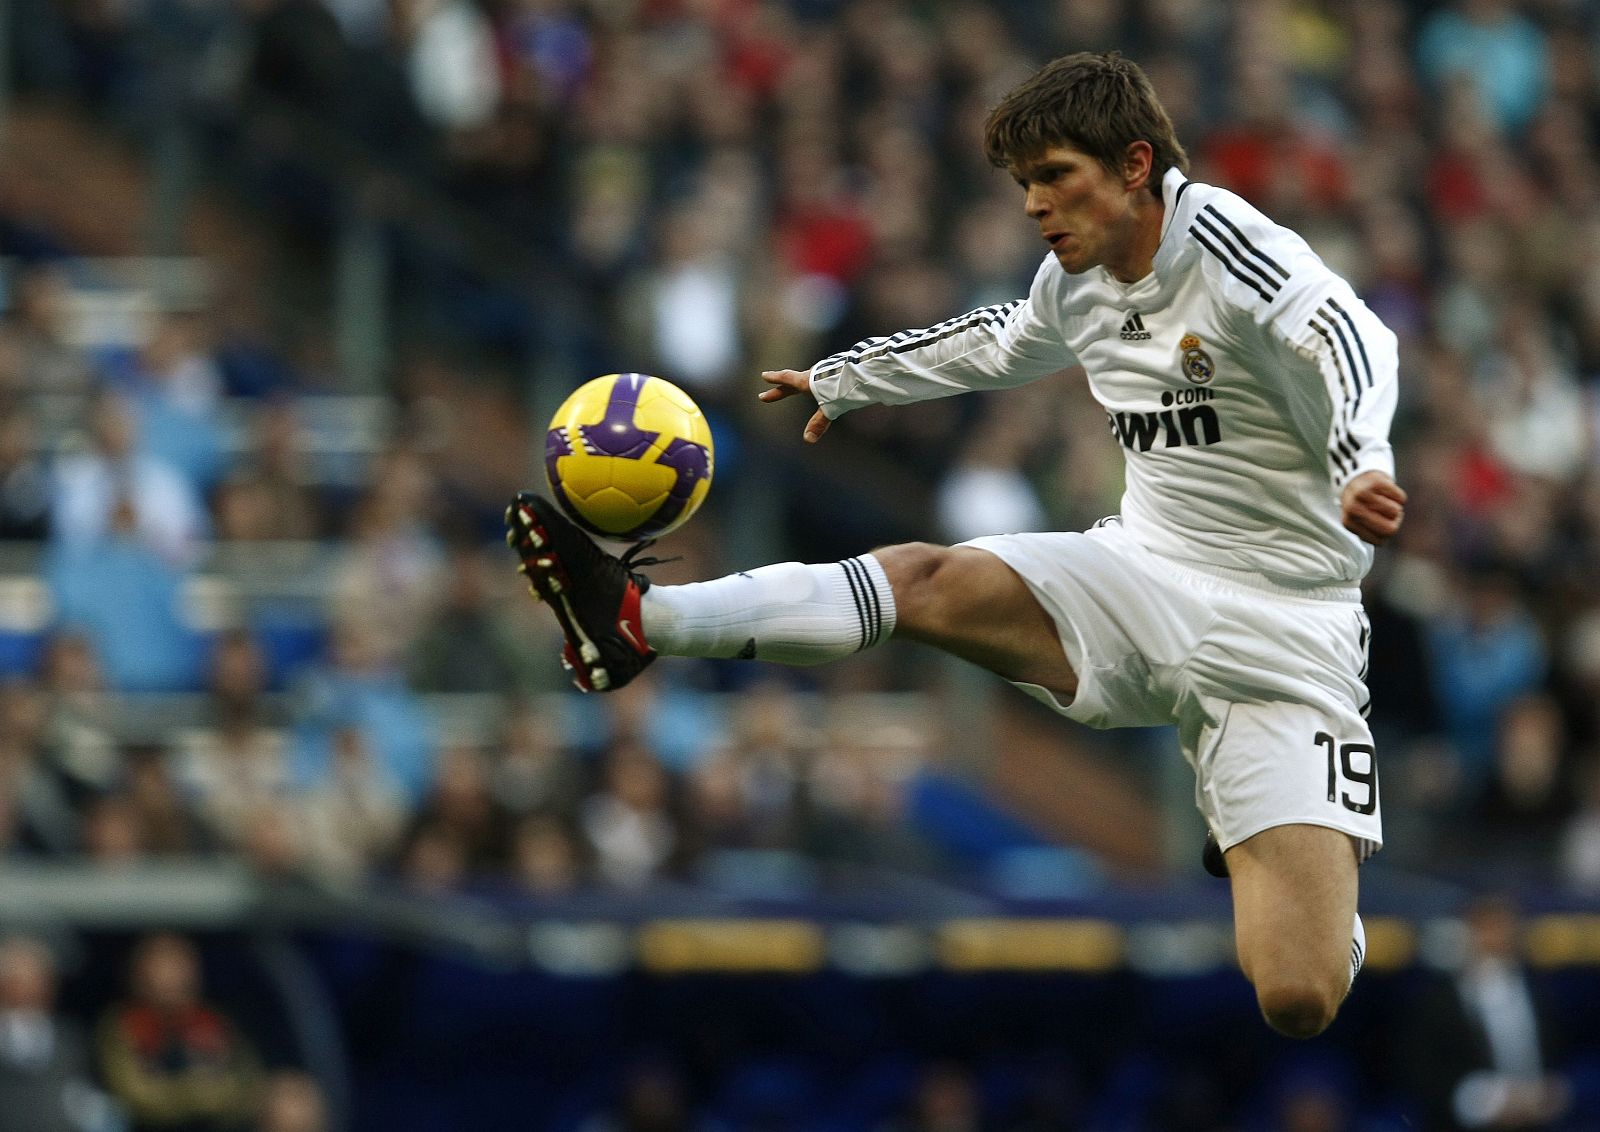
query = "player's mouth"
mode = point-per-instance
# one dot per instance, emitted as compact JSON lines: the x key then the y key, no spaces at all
{"x":1055,"y":239}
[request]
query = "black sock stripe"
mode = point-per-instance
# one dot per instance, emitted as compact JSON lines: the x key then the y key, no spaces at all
{"x":1245,"y":240}
{"x":1226,"y":262}
{"x":859,"y":588}
{"x":877,"y":601}
{"x":1244,"y":261}
{"x":855,"y":593}
{"x":874,"y":603}
{"x":1356,"y":334}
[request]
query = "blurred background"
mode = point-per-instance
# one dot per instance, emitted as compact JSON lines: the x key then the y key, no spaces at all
{"x":300,"y":828}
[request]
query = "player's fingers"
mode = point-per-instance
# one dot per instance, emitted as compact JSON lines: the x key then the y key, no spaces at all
{"x":785,"y":383}
{"x":1384,"y":507}
{"x":1370,"y":528}
{"x":816,"y":426}
{"x":1391,"y":490}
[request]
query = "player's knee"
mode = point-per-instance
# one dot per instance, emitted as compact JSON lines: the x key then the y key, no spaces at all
{"x":913,"y":570}
{"x":1299,"y":1008}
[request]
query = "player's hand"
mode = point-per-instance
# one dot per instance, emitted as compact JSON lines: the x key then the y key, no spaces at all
{"x":788,"y":382}
{"x":1373,"y":506}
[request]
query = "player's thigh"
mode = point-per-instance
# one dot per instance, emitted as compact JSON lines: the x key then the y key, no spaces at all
{"x":1294,"y":898}
{"x":968,"y":602}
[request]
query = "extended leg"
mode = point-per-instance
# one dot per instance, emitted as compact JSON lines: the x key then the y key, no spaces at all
{"x":1294,"y":905}
{"x":959,"y":599}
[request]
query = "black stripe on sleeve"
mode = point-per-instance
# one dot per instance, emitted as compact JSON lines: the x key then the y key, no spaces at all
{"x":1333,"y":352}
{"x":1271,"y":284}
{"x":1226,"y":262}
{"x":1355,"y":374}
{"x":1356,"y":334}
{"x":1243,"y":239}
{"x":912,"y":340}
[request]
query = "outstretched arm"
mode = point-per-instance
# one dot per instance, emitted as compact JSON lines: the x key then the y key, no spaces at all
{"x":989,"y":348}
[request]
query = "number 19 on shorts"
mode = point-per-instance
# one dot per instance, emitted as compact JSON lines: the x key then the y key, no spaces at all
{"x":1352,"y":773}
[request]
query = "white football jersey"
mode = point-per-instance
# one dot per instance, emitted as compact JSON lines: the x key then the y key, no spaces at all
{"x":1245,"y":381}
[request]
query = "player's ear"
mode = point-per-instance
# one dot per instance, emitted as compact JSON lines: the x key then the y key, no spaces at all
{"x":1138,"y":160}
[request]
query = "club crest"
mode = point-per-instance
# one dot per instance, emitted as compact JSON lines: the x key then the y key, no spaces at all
{"x":1197,"y":364}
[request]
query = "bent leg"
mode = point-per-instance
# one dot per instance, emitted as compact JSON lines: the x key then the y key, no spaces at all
{"x":1294,"y":904}
{"x":969,"y":603}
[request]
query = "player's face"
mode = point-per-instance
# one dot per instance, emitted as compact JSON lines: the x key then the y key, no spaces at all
{"x":1085,"y":212}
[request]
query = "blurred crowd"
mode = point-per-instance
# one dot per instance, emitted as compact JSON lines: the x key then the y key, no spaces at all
{"x":161,"y":1055}
{"x":722,"y":186}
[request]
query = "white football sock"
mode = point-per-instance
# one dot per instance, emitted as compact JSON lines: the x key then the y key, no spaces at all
{"x":1358,"y":949}
{"x":791,"y":613}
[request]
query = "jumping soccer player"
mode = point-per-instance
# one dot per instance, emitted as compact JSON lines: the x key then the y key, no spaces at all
{"x":1251,"y":391}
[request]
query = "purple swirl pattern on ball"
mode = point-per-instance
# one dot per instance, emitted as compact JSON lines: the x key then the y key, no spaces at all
{"x":557,"y":443}
{"x":617,"y":436}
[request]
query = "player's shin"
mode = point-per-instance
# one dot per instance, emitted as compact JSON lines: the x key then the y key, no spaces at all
{"x":791,"y":613}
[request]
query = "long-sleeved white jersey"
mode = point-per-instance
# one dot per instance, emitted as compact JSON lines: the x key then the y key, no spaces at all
{"x":1245,"y":381}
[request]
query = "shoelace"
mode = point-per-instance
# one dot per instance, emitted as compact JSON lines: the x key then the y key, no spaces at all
{"x":631,"y":561}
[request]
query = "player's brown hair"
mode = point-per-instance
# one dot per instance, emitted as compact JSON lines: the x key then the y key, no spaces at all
{"x":1093,"y":102}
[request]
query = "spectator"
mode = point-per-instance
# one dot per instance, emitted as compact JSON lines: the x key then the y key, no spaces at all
{"x":24,"y":482}
{"x":51,"y":365}
{"x":946,"y":1100}
{"x":176,"y":1062}
{"x":293,"y":1102}
{"x":546,"y":859}
{"x":1486,"y":651}
{"x":353,"y":813}
{"x":628,"y":822}
{"x":46,"y":1084}
{"x":39,"y":809}
{"x":530,"y":771}
{"x":462,"y":802}
{"x":388,"y":578}
{"x":167,"y":824}
{"x":114,"y":476}
{"x":270,"y":497}
{"x":651,"y":1098}
{"x":127,"y":598}
{"x":78,"y":742}
{"x":360,"y":691}
{"x":1529,"y":795}
{"x":1580,"y":840}
{"x":1482,"y":1046}
{"x":238,"y":765}
{"x":467,"y":645}
{"x":1495,"y":49}
{"x":176,"y":392}
{"x":112,"y":834}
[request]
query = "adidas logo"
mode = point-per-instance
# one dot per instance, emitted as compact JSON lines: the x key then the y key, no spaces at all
{"x":1133,"y":330}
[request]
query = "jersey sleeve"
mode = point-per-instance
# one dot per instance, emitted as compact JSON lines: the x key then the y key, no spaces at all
{"x":1337,"y":361}
{"x":992,"y":347}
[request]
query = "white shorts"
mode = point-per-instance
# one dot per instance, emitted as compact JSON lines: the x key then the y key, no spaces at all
{"x":1265,"y":684}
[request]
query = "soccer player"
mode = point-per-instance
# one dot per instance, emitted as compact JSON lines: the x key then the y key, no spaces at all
{"x":1251,"y":391}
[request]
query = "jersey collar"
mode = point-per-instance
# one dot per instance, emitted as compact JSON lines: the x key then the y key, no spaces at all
{"x":1174,"y":187}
